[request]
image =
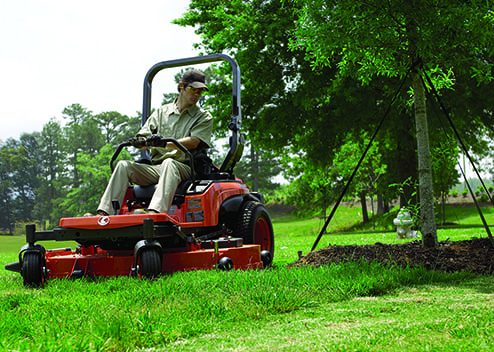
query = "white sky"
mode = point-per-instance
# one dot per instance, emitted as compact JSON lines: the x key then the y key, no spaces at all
{"x":54,"y":53}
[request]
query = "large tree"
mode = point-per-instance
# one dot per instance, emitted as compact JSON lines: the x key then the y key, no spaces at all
{"x":26,"y":163}
{"x":54,"y":176}
{"x":376,"y":38}
{"x":19,"y":165}
{"x":280,"y":89}
{"x":82,"y":135}
{"x":111,"y":124}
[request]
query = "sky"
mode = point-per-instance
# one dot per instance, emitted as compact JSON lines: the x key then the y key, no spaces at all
{"x":55,"y":53}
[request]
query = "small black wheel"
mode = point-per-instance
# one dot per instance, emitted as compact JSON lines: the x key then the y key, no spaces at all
{"x":32,"y":269}
{"x":255,"y":227}
{"x":225,"y":264}
{"x":266,"y":258}
{"x":150,"y":263}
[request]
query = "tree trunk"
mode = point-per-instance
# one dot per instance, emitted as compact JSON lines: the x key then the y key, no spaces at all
{"x":372,"y":211}
{"x":386,"y":207}
{"x":363,"y":203}
{"x":380,"y":204}
{"x":429,"y":232}
{"x":254,"y":155}
{"x":443,"y":201}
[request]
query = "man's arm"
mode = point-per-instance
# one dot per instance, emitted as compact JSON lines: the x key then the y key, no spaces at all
{"x":189,"y":143}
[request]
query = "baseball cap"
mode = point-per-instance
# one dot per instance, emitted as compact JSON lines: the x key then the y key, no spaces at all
{"x":195,"y":78}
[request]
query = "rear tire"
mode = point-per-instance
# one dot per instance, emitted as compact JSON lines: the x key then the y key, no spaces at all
{"x":254,"y":226}
{"x":150,"y":263}
{"x":32,"y":269}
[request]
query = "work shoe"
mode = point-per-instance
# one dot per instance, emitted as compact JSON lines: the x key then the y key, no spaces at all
{"x":88,"y":215}
{"x":102,"y":213}
{"x":144,"y":211}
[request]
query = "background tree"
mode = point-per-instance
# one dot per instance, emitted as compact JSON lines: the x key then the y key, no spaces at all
{"x":82,"y":135}
{"x":18,"y":178}
{"x":367,"y":176}
{"x":54,"y":175}
{"x":111,"y":124}
{"x":26,"y":167}
{"x":255,"y":169}
{"x":7,"y":209}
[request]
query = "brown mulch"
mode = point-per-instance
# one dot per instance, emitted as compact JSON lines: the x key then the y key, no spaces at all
{"x":476,"y":255}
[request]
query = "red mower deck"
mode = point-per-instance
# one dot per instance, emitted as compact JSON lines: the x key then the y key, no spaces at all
{"x":93,"y":261}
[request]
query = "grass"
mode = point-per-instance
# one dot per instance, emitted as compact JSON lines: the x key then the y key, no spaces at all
{"x":427,"y":317}
{"x":186,"y":311}
{"x":355,"y":306}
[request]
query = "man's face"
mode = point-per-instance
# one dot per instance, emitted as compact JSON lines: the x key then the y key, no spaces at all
{"x":192,"y":94}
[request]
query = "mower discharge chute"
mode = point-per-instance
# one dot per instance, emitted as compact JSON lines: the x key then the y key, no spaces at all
{"x":215,"y":220}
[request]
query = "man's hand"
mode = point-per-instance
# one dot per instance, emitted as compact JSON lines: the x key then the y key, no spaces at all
{"x":154,"y":140}
{"x":139,"y":142}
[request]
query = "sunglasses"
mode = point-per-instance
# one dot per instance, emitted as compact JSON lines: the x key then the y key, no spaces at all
{"x":195,"y":90}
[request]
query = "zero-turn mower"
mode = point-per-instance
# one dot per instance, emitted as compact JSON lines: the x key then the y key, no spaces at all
{"x":215,"y":220}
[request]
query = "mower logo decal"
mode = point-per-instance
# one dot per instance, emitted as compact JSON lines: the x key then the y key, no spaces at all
{"x":103,"y":220}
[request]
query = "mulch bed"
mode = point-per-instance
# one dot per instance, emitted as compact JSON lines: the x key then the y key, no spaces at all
{"x":476,"y":255}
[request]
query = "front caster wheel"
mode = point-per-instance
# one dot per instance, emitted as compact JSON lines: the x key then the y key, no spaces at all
{"x":266,"y":258}
{"x":225,"y":264}
{"x":32,"y":269}
{"x":150,"y":263}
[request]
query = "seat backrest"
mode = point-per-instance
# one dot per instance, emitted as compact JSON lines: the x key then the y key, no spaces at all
{"x":235,"y":153}
{"x":206,"y":170}
{"x":202,"y":164}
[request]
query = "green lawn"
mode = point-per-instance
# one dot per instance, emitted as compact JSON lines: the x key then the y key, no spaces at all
{"x":350,"y":307}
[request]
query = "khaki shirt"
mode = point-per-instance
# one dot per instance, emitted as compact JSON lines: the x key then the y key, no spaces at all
{"x":170,"y":123}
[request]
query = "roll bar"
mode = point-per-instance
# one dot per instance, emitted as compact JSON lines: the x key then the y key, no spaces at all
{"x":236,"y":140}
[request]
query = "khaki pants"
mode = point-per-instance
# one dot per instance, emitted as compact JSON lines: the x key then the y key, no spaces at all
{"x":167,"y":175}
